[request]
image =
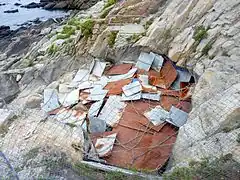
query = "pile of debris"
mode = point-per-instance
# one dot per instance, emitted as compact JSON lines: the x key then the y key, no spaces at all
{"x":131,"y":112}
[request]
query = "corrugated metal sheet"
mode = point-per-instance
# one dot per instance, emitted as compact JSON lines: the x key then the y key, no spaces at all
{"x":168,"y":101}
{"x":119,"y":69}
{"x":133,"y":97}
{"x":81,"y":76}
{"x":98,"y":68}
{"x":112,"y":110}
{"x":157,"y":115}
{"x":70,"y":98}
{"x":151,"y":96}
{"x":71,"y":116}
{"x":50,"y":101}
{"x":128,"y":75}
{"x":178,"y":117}
{"x":132,"y":88}
{"x":158,"y":62}
{"x":183,"y":76}
{"x":97,"y":94}
{"x":95,"y":108}
{"x":166,"y":77}
{"x":145,"y":61}
{"x":104,"y":145}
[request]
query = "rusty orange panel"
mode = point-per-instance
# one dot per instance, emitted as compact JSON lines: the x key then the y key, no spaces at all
{"x":167,"y":92}
{"x":115,"y":88}
{"x":166,"y":77}
{"x":140,"y":150}
{"x":168,"y":101}
{"x":119,"y":69}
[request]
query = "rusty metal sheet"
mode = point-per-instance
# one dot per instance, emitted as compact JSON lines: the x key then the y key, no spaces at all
{"x":168,"y":101}
{"x":168,"y":92}
{"x":119,"y":69}
{"x":115,"y":88}
{"x":185,"y":106}
{"x":136,"y":149}
{"x":166,"y":77}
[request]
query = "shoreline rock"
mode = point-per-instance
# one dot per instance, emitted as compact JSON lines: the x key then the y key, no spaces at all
{"x":11,"y":11}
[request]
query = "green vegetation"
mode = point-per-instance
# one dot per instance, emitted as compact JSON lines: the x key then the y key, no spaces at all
{"x":52,"y":49}
{"x":105,"y":12}
{"x":112,"y":38}
{"x":207,"y":48}
{"x":148,"y":23}
{"x":135,"y":37}
{"x":87,"y":27}
{"x":110,"y":3}
{"x":93,"y":173}
{"x":222,"y":168}
{"x":200,"y":33}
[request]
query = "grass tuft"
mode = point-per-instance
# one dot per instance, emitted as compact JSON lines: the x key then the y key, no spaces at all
{"x":110,"y":3}
{"x":111,"y":39}
{"x":200,"y":33}
{"x":87,"y":28}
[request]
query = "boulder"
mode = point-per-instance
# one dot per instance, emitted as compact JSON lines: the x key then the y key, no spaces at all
{"x":61,"y":5}
{"x":17,"y":4}
{"x":9,"y":87}
{"x":31,"y":5}
{"x":34,"y":101}
{"x":4,"y":31}
{"x":49,"y":5}
{"x":11,"y":11}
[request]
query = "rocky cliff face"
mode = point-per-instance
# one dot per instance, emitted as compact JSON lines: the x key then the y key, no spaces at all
{"x":198,"y":34}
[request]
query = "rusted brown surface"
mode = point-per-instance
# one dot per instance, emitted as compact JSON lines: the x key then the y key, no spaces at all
{"x":140,"y":150}
{"x":167,"y":92}
{"x":168,"y":101}
{"x":115,"y":88}
{"x":185,"y":106}
{"x":119,"y":69}
{"x":166,"y":77}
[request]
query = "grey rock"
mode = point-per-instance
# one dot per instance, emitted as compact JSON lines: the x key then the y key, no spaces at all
{"x":9,"y":87}
{"x":34,"y":101}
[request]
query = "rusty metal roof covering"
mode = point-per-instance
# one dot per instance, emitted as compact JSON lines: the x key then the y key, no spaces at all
{"x":166,"y":77}
{"x":115,"y":88}
{"x":135,"y":149}
{"x":119,"y":69}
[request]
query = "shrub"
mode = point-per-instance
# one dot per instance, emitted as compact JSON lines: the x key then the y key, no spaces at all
{"x":200,"y":33}
{"x":52,"y":49}
{"x":207,"y":48}
{"x":110,"y":3}
{"x":87,"y":27}
{"x":111,"y":39}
